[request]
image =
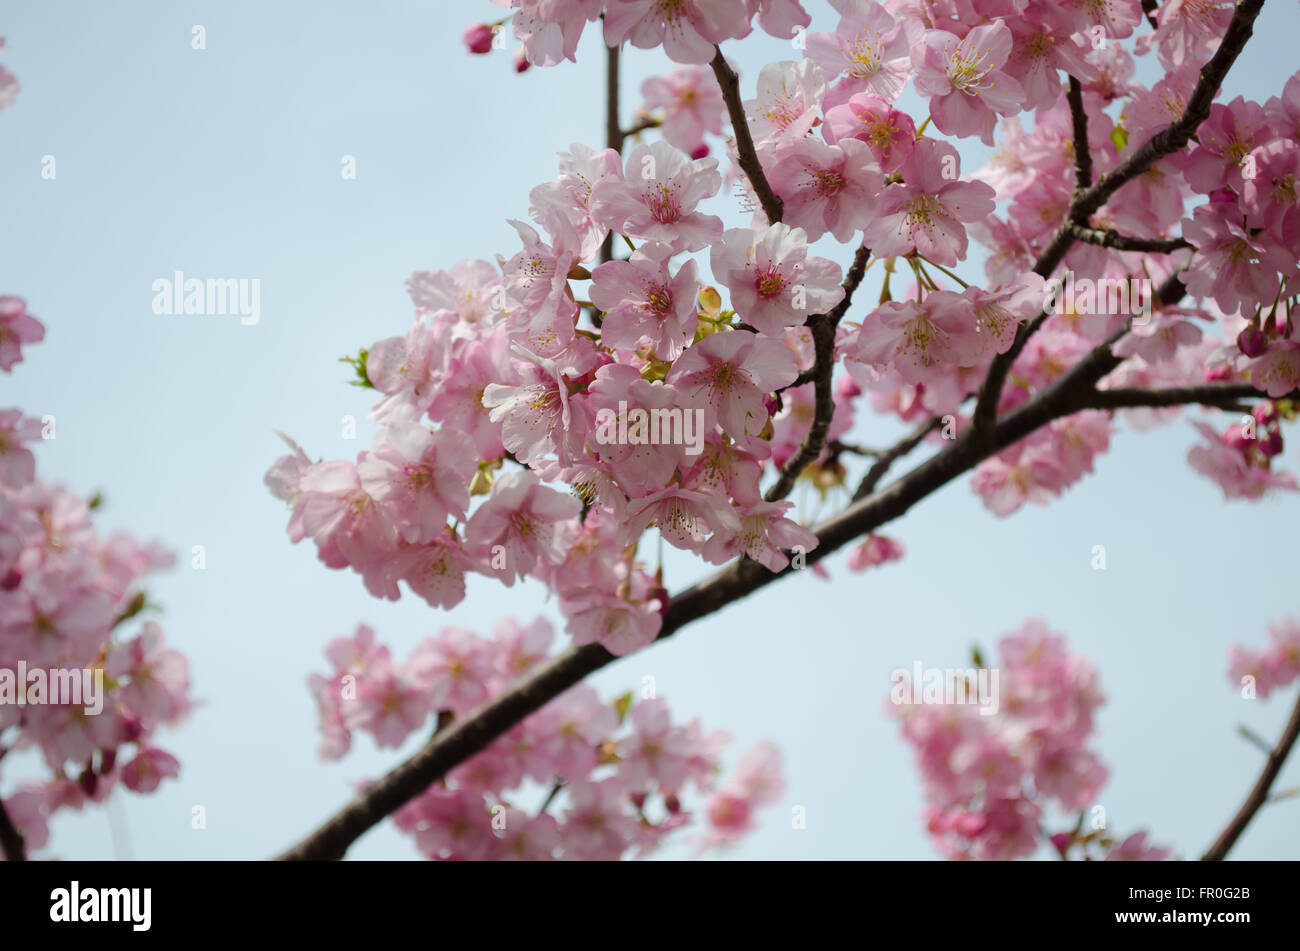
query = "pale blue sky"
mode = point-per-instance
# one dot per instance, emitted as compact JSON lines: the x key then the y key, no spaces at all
{"x":225,"y":163}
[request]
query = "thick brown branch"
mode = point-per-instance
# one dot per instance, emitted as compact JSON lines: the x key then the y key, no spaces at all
{"x":1079,"y":124}
{"x":1218,"y":395}
{"x":1259,"y":793}
{"x":1086,"y":203}
{"x":746,"y":155}
{"x":1104,"y":237}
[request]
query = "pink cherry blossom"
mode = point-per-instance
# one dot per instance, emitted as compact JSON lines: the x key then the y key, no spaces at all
{"x":726,"y":375}
{"x":774,"y":284}
{"x":827,"y":187}
{"x":516,"y":527}
{"x":868,"y":48}
{"x":888,"y":132}
{"x":929,"y":209}
{"x":658,"y":196}
{"x":687,"y":29}
{"x":644,"y":300}
{"x":692,"y":105}
{"x":17,"y":327}
{"x":964,"y":80}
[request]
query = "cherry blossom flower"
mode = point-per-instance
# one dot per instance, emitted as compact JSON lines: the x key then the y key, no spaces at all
{"x":868,"y":48}
{"x":928,"y":211}
{"x":687,"y":29}
{"x":964,"y":80}
{"x":726,"y":374}
{"x":827,"y":187}
{"x":789,"y":96}
{"x":657,"y":198}
{"x":692,"y":104}
{"x":774,"y":284}
{"x":515,"y":528}
{"x":17,"y":327}
{"x":644,"y":300}
{"x":888,"y":132}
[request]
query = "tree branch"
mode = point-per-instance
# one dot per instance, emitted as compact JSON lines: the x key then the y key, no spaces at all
{"x":746,"y":155}
{"x":1217,"y":395}
{"x":891,"y":455}
{"x":1106,"y":238}
{"x":1259,"y":793}
{"x":1086,"y":203}
{"x":1079,"y":125}
{"x":11,"y":840}
{"x":823,"y":328}
{"x":613,"y":128}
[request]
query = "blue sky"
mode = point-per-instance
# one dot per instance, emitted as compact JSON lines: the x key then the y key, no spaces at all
{"x":225,"y":162}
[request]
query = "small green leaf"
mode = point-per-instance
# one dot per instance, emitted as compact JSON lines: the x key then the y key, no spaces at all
{"x":1119,"y":135}
{"x":359,"y":364}
{"x":622,"y":705}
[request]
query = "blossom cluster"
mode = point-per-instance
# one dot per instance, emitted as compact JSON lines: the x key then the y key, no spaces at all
{"x":67,"y":596}
{"x":1274,"y":667}
{"x":534,"y":420}
{"x":512,"y":365}
{"x":619,"y":771}
{"x":992,"y":781}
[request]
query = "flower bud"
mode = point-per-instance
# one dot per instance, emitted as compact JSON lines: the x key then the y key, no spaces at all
{"x":478,"y":38}
{"x":521,"y":61}
{"x":1266,"y":413}
{"x":1251,"y":341}
{"x":1270,"y":443}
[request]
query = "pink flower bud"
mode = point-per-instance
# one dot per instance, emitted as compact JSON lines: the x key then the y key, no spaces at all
{"x":11,"y":580}
{"x":847,"y":388}
{"x":1237,"y":437}
{"x":1270,"y":444}
{"x":521,"y":61}
{"x":1266,"y":413}
{"x":132,"y":728}
{"x":478,"y":38}
{"x":1251,"y":341}
{"x":700,"y":151}
{"x":1220,"y":371}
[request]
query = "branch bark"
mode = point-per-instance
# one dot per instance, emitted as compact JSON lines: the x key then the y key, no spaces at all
{"x":746,"y":155}
{"x":1259,"y":792}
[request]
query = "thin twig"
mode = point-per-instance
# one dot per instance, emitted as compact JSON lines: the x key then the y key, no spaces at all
{"x":823,"y":328}
{"x":881,"y":466}
{"x":1259,"y":792}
